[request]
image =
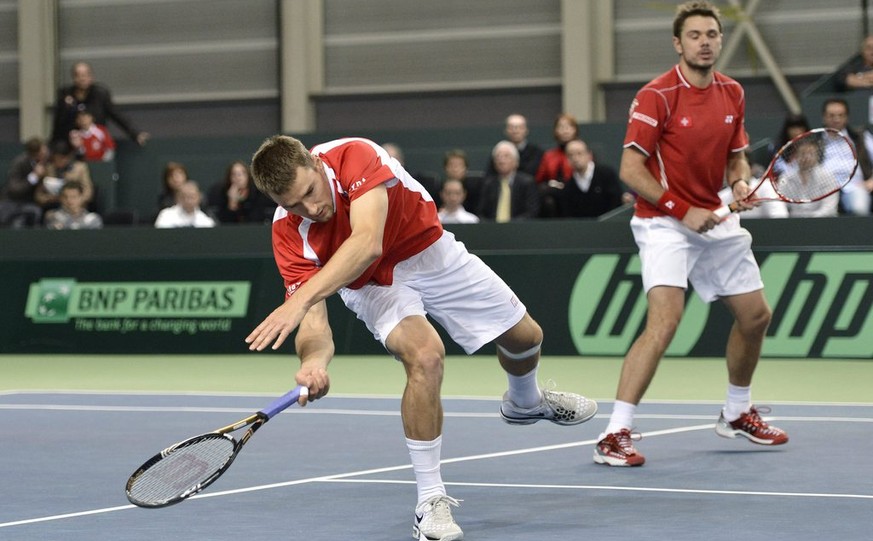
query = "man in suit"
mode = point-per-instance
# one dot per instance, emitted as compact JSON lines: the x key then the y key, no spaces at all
{"x":529,"y":154}
{"x":592,"y":190}
{"x":508,"y":194}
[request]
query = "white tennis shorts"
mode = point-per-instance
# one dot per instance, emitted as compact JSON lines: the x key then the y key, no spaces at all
{"x":445,"y":281}
{"x":718,"y":263}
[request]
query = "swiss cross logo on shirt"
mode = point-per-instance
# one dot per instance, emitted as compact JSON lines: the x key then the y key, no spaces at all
{"x":729,"y":119}
{"x":685,"y":121}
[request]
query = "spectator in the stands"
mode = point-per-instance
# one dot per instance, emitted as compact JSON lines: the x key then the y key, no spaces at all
{"x":855,"y":196}
{"x":794,"y":124}
{"x":555,"y":165}
{"x":236,"y":200}
{"x":72,"y":213}
{"x":84,"y":93}
{"x":508,"y":194}
{"x":62,"y":167}
{"x":452,"y":210}
{"x":186,"y":212}
{"x":529,"y":154}
{"x":18,"y":207}
{"x":592,"y":189}
{"x":175,"y":174}
{"x":858,"y":74}
{"x":92,"y":141}
{"x":455,"y":167}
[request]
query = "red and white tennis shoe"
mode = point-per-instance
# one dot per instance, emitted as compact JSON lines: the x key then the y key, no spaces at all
{"x":617,"y":449}
{"x":750,"y":425}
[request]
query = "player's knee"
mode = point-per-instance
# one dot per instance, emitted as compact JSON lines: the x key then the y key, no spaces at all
{"x":425,"y":364}
{"x":757,"y":321}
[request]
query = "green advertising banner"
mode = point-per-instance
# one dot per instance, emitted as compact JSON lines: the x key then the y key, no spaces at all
{"x":147,"y":291}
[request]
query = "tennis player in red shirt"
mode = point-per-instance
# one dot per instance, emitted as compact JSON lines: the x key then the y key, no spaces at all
{"x":685,"y":138}
{"x":351,"y":220}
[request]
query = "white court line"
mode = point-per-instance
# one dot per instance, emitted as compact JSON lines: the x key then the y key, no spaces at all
{"x":614,"y":488}
{"x":336,"y":476}
{"x":385,"y":413}
{"x":99,"y":392}
{"x":344,"y":477}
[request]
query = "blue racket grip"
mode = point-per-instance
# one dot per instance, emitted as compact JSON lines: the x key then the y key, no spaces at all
{"x":284,"y":401}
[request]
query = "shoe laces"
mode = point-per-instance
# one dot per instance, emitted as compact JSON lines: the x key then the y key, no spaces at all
{"x":561,"y":401}
{"x":439,"y":506}
{"x":752,"y":418}
{"x":624,"y":438}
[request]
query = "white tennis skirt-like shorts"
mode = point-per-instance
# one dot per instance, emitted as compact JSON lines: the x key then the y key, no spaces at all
{"x":449,"y":284}
{"x":718,"y":263}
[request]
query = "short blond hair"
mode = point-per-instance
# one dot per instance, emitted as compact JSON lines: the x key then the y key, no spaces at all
{"x":274,"y":165}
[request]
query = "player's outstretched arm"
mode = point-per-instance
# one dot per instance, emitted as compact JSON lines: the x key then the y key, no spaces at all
{"x":315,"y":347}
{"x":368,"y":215}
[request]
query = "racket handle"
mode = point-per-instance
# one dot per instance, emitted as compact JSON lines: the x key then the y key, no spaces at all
{"x":725,"y":211}
{"x":284,"y":401}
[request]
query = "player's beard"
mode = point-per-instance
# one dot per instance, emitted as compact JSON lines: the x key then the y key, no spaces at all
{"x":701,"y":67}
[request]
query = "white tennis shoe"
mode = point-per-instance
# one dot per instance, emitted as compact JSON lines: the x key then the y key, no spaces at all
{"x":558,"y":407}
{"x":434,"y":522}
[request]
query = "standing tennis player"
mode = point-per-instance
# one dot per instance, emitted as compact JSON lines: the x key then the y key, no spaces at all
{"x":685,"y":138}
{"x":352,"y":220}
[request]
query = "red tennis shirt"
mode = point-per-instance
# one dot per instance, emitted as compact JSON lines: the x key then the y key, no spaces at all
{"x":353,"y":167}
{"x":687,"y":134}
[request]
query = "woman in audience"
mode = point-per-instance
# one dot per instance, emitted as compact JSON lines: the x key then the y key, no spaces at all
{"x":236,"y":200}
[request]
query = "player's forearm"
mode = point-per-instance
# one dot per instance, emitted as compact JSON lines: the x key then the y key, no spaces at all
{"x":350,"y":261}
{"x":314,"y":339}
{"x":634,"y":173}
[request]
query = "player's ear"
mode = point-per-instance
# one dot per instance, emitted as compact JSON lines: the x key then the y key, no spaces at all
{"x":677,"y":45}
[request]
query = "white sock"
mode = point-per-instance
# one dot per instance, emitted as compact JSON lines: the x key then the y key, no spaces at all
{"x":523,"y":390}
{"x":622,"y":417}
{"x":425,"y":457}
{"x":739,"y":401}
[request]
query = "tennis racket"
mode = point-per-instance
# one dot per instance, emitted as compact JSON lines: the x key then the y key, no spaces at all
{"x":185,"y":468}
{"x":808,"y":168}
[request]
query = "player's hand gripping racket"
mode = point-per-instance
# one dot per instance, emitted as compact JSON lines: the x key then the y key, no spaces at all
{"x":185,"y":468}
{"x":808,"y":168}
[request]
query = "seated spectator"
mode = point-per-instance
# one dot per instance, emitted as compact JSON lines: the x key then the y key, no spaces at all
{"x":175,"y":175}
{"x":858,"y":74}
{"x":18,"y":206}
{"x":453,"y":211}
{"x":62,"y":168}
{"x":72,"y":214}
{"x":529,"y":154}
{"x":508,"y":194}
{"x":591,"y":190}
{"x":455,"y":168}
{"x":91,"y":140}
{"x":855,"y":196}
{"x":794,"y":124}
{"x":804,"y":167}
{"x":84,"y":93}
{"x":186,"y":212}
{"x":236,"y":200}
{"x":554,"y":165}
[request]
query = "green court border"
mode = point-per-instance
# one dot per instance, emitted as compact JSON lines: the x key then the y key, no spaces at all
{"x":785,"y":380}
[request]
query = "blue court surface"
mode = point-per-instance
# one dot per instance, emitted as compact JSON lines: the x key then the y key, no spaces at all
{"x":338,"y":470}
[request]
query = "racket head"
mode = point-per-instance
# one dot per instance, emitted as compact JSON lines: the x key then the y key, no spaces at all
{"x":811,"y":166}
{"x":182,"y":470}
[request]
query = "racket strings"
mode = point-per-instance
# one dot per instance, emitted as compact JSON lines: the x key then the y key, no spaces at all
{"x":814,"y":166}
{"x":182,"y":470}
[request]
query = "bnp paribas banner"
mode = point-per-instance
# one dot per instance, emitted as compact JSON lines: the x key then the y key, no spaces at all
{"x":141,"y":307}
